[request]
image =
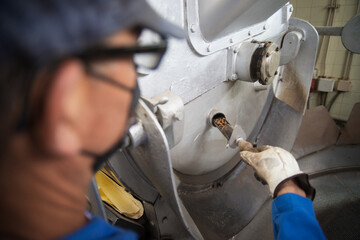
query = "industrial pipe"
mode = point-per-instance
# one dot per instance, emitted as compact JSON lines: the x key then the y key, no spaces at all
{"x":329,"y":31}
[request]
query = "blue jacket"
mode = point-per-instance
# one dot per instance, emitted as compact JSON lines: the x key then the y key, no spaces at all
{"x":294,"y":218}
{"x":97,"y":229}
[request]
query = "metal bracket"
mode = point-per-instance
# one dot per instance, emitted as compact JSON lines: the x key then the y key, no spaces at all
{"x":169,"y":110}
{"x":290,"y":46}
{"x":153,"y":158}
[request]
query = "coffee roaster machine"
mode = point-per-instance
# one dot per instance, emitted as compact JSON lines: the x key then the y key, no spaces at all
{"x":247,"y":60}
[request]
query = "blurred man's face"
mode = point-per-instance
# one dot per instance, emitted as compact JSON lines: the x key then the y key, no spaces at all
{"x":110,"y":105}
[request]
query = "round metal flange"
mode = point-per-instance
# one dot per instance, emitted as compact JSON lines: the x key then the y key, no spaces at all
{"x":265,"y":62}
{"x":350,"y":35}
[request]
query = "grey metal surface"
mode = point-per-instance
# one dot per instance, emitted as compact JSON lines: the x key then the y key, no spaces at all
{"x":170,"y":225}
{"x":331,"y":158}
{"x":260,"y":227}
{"x":337,"y":201}
{"x":200,"y":82}
{"x":203,"y":148}
{"x":329,"y":31}
{"x":351,"y":35}
{"x":280,"y":127}
{"x":337,"y":206}
{"x":153,"y":158}
{"x":239,"y":61}
{"x":264,"y":113}
{"x":290,"y":46}
{"x":224,"y":207}
{"x":244,"y":19}
{"x":136,"y":134}
{"x":219,"y":18}
{"x":294,"y":85}
{"x":171,"y":117}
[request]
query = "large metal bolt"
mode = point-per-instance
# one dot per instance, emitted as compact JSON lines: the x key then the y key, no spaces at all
{"x":136,"y":134}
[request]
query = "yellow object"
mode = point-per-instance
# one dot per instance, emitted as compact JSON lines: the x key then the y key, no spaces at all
{"x":114,"y":194}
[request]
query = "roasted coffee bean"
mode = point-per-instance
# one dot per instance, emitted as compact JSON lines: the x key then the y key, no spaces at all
{"x":221,"y":122}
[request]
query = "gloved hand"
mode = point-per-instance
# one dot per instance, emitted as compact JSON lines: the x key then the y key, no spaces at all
{"x":275,"y":166}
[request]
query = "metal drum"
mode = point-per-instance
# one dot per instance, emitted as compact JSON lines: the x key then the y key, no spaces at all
{"x":247,"y":60}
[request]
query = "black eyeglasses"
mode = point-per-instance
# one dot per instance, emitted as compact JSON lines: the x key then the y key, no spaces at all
{"x":147,"y":56}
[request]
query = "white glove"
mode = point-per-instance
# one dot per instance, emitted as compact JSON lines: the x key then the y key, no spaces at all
{"x":274,"y":165}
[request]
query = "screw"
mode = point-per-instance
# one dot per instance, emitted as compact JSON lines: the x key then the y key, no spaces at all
{"x":249,"y":33}
{"x":264,"y":27}
{"x":234,"y":76}
{"x":193,"y":28}
{"x":208,"y":48}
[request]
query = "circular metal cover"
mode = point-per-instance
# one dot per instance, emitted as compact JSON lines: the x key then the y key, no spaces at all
{"x":350,"y":36}
{"x":265,"y":62}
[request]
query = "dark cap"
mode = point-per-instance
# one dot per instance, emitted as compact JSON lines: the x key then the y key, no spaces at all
{"x":45,"y":30}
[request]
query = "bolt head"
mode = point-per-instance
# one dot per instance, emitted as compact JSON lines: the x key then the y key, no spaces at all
{"x":193,"y":28}
{"x":234,"y":76}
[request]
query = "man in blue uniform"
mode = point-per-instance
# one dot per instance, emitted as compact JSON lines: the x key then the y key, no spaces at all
{"x":292,"y":211}
{"x":68,"y":88}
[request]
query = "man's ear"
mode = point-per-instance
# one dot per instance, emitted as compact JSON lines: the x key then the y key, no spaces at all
{"x":59,"y":130}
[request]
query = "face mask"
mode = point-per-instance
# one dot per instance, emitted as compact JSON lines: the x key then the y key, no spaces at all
{"x":100,"y":159}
